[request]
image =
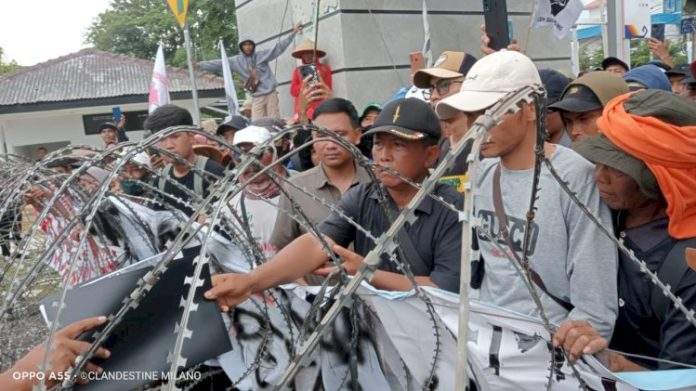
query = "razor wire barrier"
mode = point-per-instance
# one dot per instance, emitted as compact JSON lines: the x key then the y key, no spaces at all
{"x":62,"y":196}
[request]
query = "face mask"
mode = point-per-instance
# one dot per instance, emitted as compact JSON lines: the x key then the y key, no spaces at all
{"x":132,"y":187}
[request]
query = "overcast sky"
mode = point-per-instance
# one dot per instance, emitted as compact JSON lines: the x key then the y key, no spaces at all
{"x":33,"y":31}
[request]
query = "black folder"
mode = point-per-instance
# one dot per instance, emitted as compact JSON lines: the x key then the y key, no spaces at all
{"x":142,"y":341}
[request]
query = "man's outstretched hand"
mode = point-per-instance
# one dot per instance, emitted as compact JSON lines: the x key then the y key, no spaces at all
{"x":230,"y":289}
{"x":66,"y":348}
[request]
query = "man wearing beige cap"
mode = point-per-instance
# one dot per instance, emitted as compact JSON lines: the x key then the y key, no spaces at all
{"x":442,"y":80}
{"x":446,"y":75}
{"x":576,"y":266}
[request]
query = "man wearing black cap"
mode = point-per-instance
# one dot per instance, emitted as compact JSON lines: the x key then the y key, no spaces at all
{"x":583,"y":100}
{"x":676,"y":77}
{"x":615,"y":66}
{"x":231,"y":125}
{"x":555,"y":83}
{"x":405,"y":140}
{"x":109,"y":133}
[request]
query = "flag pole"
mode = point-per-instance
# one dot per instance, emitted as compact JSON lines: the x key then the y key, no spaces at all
{"x":316,"y":33}
{"x":192,"y":76}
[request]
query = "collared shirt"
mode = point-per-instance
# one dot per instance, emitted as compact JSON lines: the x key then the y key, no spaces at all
{"x":315,"y":182}
{"x":435,"y":235}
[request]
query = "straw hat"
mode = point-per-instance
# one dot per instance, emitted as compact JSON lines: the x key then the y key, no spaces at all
{"x":307,"y":46}
{"x":208,"y":151}
{"x":209,"y":125}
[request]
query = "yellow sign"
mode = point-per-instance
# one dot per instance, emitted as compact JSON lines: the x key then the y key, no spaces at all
{"x":179,"y":9}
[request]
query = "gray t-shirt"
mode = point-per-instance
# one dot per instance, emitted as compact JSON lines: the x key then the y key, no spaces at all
{"x":574,"y":260}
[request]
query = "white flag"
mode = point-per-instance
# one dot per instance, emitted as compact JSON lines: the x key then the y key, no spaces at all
{"x":427,"y":51}
{"x":159,"y":86}
{"x":230,"y":91}
{"x":561,"y":14}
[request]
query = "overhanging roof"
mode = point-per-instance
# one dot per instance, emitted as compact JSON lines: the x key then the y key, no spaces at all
{"x":92,"y":77}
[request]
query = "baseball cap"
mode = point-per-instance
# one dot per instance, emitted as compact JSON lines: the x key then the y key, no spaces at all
{"x":554,"y":83}
{"x":599,"y":149}
{"x":408,"y":118}
{"x":488,"y":81}
{"x":253,"y":135}
{"x":613,"y":61}
{"x":107,"y":125}
{"x":234,"y":122}
{"x":679,"y":70}
{"x":577,"y":99}
{"x":448,"y":66}
{"x":603,"y":85}
{"x":649,"y":76}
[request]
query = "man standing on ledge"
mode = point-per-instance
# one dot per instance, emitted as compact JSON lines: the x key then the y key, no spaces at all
{"x":253,"y":67}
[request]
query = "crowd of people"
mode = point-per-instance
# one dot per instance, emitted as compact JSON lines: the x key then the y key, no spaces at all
{"x":624,"y":140}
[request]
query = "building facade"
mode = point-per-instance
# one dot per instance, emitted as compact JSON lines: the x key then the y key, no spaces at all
{"x":368,"y":42}
{"x":62,"y":101}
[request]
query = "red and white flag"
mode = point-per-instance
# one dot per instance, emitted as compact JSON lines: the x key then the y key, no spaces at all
{"x":159,"y":86}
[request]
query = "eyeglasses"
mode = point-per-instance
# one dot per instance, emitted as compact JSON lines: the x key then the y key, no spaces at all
{"x":443,"y":86}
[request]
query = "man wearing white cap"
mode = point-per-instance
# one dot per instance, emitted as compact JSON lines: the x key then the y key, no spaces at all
{"x":257,"y":204}
{"x":576,"y":266}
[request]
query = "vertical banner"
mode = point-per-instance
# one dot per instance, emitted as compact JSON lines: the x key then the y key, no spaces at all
{"x":230,"y":90}
{"x":179,"y":8}
{"x":637,"y":19}
{"x":159,"y":86}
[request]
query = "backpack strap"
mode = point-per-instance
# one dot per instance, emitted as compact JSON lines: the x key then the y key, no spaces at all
{"x":670,"y":272}
{"x":164,"y":175}
{"x":198,"y":176}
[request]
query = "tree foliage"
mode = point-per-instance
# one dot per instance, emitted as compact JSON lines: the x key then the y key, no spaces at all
{"x":640,"y":54}
{"x":135,"y":28}
{"x":7,"y":67}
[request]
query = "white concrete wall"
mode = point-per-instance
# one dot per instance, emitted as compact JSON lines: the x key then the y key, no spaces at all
{"x":24,"y":132}
{"x":356,"y":39}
